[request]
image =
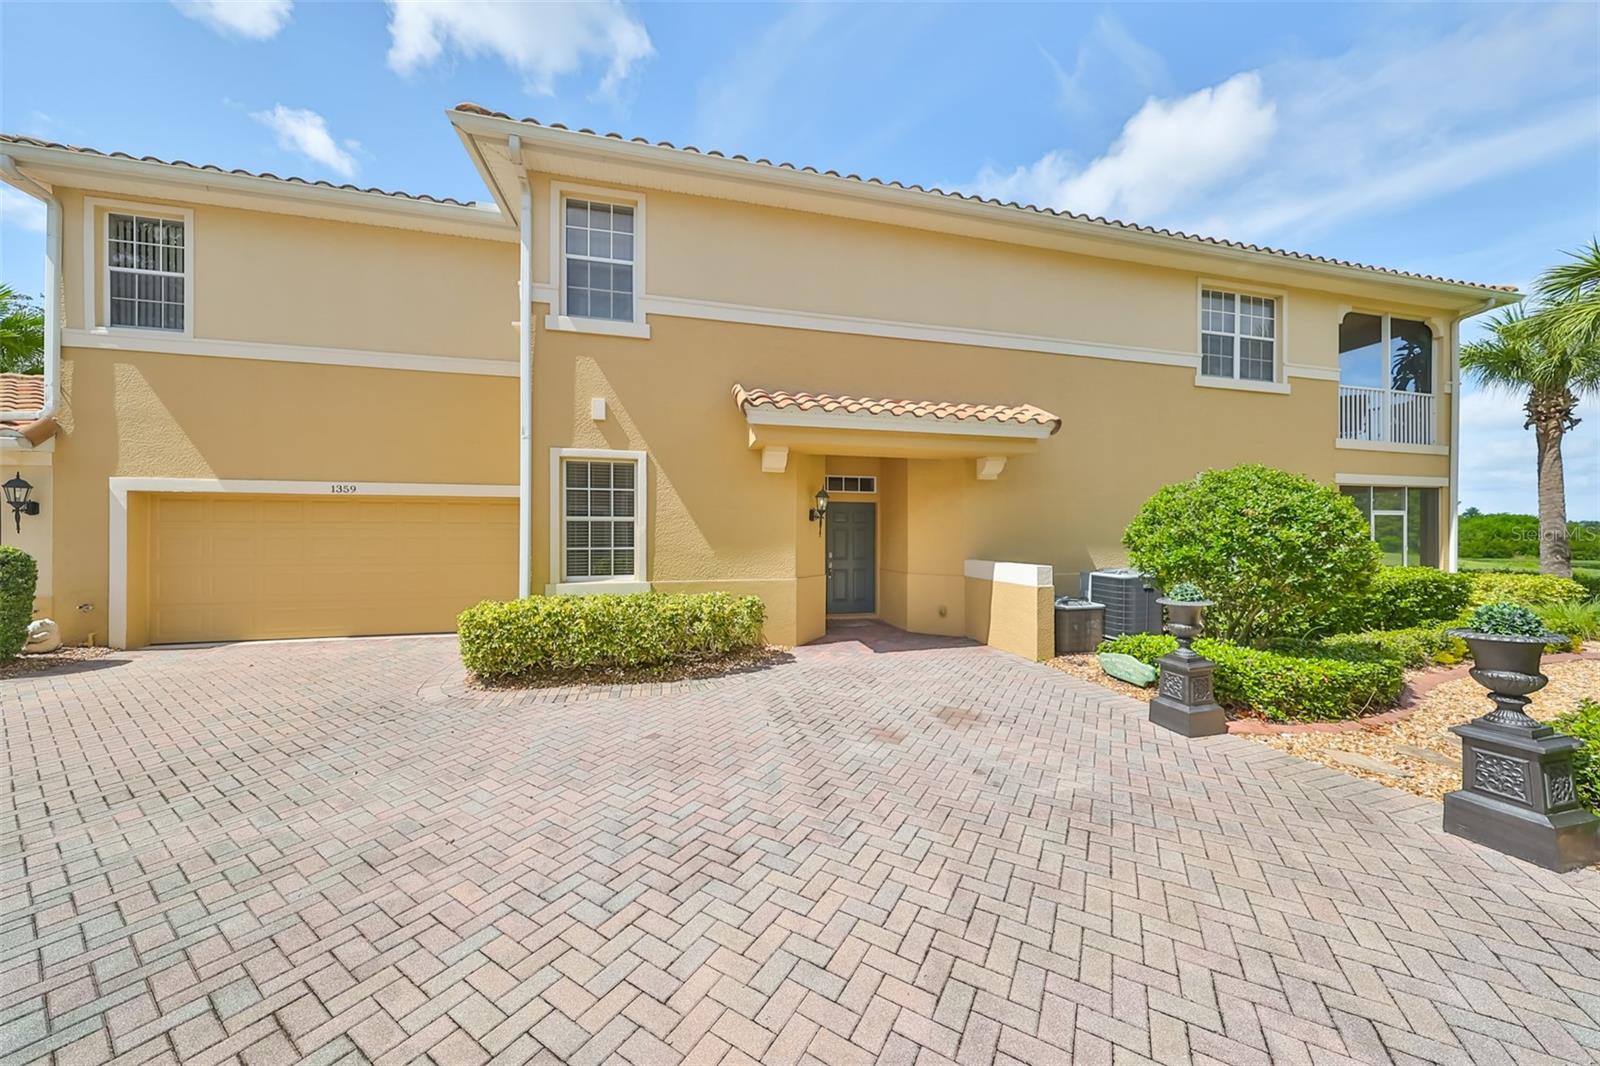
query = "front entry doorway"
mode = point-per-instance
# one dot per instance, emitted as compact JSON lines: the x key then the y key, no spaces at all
{"x":852,"y":558}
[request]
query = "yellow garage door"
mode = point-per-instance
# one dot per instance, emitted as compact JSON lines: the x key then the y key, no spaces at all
{"x":233,"y":567}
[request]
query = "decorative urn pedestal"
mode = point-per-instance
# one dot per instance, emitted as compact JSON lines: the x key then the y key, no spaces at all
{"x":1184,"y":702}
{"x":1517,"y":794}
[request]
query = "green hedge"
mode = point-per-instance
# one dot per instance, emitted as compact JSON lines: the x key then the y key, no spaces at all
{"x":1584,"y":723}
{"x":1404,"y":597}
{"x":19,"y":578}
{"x":544,"y":635}
{"x":1285,"y":685}
{"x":1412,"y":646}
{"x":1530,"y":590}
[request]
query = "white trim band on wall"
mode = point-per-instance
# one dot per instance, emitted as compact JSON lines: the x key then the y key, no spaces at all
{"x":1393,"y":481}
{"x":1028,"y":575}
{"x":117,"y":593}
{"x":160,"y":344}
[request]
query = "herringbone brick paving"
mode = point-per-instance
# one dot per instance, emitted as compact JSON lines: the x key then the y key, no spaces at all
{"x":885,"y":850}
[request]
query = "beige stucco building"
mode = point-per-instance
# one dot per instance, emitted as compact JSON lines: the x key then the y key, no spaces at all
{"x":286,"y":409}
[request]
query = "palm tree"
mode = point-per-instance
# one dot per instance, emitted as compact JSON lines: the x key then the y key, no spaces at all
{"x":21,"y":333}
{"x":1551,"y":354}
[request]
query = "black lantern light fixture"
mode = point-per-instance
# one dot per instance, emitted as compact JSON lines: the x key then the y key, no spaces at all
{"x":18,"y":493}
{"x":820,"y":511}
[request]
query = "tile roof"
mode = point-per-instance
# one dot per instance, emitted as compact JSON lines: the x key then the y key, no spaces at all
{"x":1021,"y":414}
{"x":478,"y":109}
{"x":20,"y":392}
{"x":11,"y":138}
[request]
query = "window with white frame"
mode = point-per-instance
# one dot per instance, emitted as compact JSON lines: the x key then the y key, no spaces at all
{"x":599,"y":262}
{"x":599,"y":519}
{"x":145,"y":258}
{"x":1238,"y":336}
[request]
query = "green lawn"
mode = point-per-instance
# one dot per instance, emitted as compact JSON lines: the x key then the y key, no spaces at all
{"x":1527,"y":563}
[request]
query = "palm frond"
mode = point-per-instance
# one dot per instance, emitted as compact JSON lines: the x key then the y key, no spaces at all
{"x":1570,"y":293}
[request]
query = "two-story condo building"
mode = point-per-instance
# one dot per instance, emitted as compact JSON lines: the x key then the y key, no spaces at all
{"x":281,"y":408}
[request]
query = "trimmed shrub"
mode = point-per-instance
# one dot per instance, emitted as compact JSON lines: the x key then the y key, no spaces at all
{"x":1530,"y":590}
{"x":1276,"y":551}
{"x":1411,"y":647}
{"x":1285,"y":685}
{"x":1404,"y":597}
{"x":19,"y":578}
{"x":1590,"y":580}
{"x":544,"y":635}
{"x":1584,"y":723}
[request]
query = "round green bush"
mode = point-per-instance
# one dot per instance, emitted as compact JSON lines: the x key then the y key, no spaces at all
{"x":1583,"y":722}
{"x":1275,"y":551}
{"x":19,"y":579}
{"x":1186,"y":592}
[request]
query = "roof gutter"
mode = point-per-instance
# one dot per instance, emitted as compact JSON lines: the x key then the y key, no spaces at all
{"x":52,"y":293}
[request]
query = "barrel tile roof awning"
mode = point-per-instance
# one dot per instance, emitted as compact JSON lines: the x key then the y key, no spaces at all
{"x":821,"y":423}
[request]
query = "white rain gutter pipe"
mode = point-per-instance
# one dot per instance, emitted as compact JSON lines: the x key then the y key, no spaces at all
{"x":52,"y":298}
{"x":524,"y":375}
{"x":1452,"y":560}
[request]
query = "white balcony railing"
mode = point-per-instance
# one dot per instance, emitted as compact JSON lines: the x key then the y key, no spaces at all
{"x":1385,"y":415}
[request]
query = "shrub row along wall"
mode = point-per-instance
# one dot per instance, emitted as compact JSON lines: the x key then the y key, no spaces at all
{"x":1282,"y":685}
{"x":544,"y":635}
{"x":19,"y":579}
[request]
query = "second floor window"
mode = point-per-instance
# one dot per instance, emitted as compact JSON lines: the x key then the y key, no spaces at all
{"x":599,"y":260}
{"x":1238,"y":336}
{"x":146,"y":260}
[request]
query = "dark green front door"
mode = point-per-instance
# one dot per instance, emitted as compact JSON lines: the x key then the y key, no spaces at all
{"x":852,"y":558}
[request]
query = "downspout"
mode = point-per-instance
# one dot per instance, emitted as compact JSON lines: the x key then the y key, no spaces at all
{"x":1452,"y":550}
{"x":524,"y":377}
{"x":52,"y":297}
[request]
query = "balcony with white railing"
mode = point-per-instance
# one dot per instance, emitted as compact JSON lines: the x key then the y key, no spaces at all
{"x":1385,"y":416}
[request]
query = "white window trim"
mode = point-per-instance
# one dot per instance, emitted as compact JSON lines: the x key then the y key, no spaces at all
{"x":97,"y":310}
{"x":558,"y":319}
{"x":117,"y":605}
{"x":1280,"y":339}
{"x":640,"y":580}
{"x":1404,"y":514}
{"x":1385,"y":334}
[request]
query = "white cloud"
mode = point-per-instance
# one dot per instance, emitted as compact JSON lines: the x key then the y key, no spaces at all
{"x":1405,"y":114}
{"x":1168,"y":151}
{"x":21,"y":210}
{"x":255,"y":20}
{"x":305,"y":132}
{"x":1498,"y":470}
{"x":541,"y":41}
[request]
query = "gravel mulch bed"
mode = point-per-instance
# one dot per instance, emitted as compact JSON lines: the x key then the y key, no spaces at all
{"x":1419,"y":754}
{"x":1086,"y":667}
{"x":35,"y":664}
{"x":740,"y":662}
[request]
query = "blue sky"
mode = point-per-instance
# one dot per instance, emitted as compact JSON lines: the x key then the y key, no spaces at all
{"x":1462,"y":141}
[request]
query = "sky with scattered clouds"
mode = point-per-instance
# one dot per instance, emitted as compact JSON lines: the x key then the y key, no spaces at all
{"x":1457,"y":140}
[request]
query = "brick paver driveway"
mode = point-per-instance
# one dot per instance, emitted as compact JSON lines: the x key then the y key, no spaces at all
{"x":876,"y":851}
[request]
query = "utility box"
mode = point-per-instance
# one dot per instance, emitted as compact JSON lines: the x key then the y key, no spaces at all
{"x":1080,"y":625}
{"x":1129,"y":597}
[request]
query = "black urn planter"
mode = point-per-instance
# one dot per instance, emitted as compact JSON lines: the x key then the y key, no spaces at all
{"x":1185,"y":701}
{"x":1517,"y":793}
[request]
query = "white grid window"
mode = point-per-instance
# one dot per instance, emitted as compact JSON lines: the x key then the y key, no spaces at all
{"x":599,"y":245}
{"x":598,"y":519}
{"x":851,"y":483}
{"x":1238,"y":336}
{"x":146,"y":260}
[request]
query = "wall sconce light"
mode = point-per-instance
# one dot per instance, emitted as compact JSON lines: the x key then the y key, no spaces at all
{"x":17,"y":493}
{"x":820,"y":511}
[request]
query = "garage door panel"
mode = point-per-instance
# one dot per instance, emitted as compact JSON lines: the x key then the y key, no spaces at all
{"x":263,"y":567}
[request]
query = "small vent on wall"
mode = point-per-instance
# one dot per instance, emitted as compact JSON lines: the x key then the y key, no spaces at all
{"x":851,"y":483}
